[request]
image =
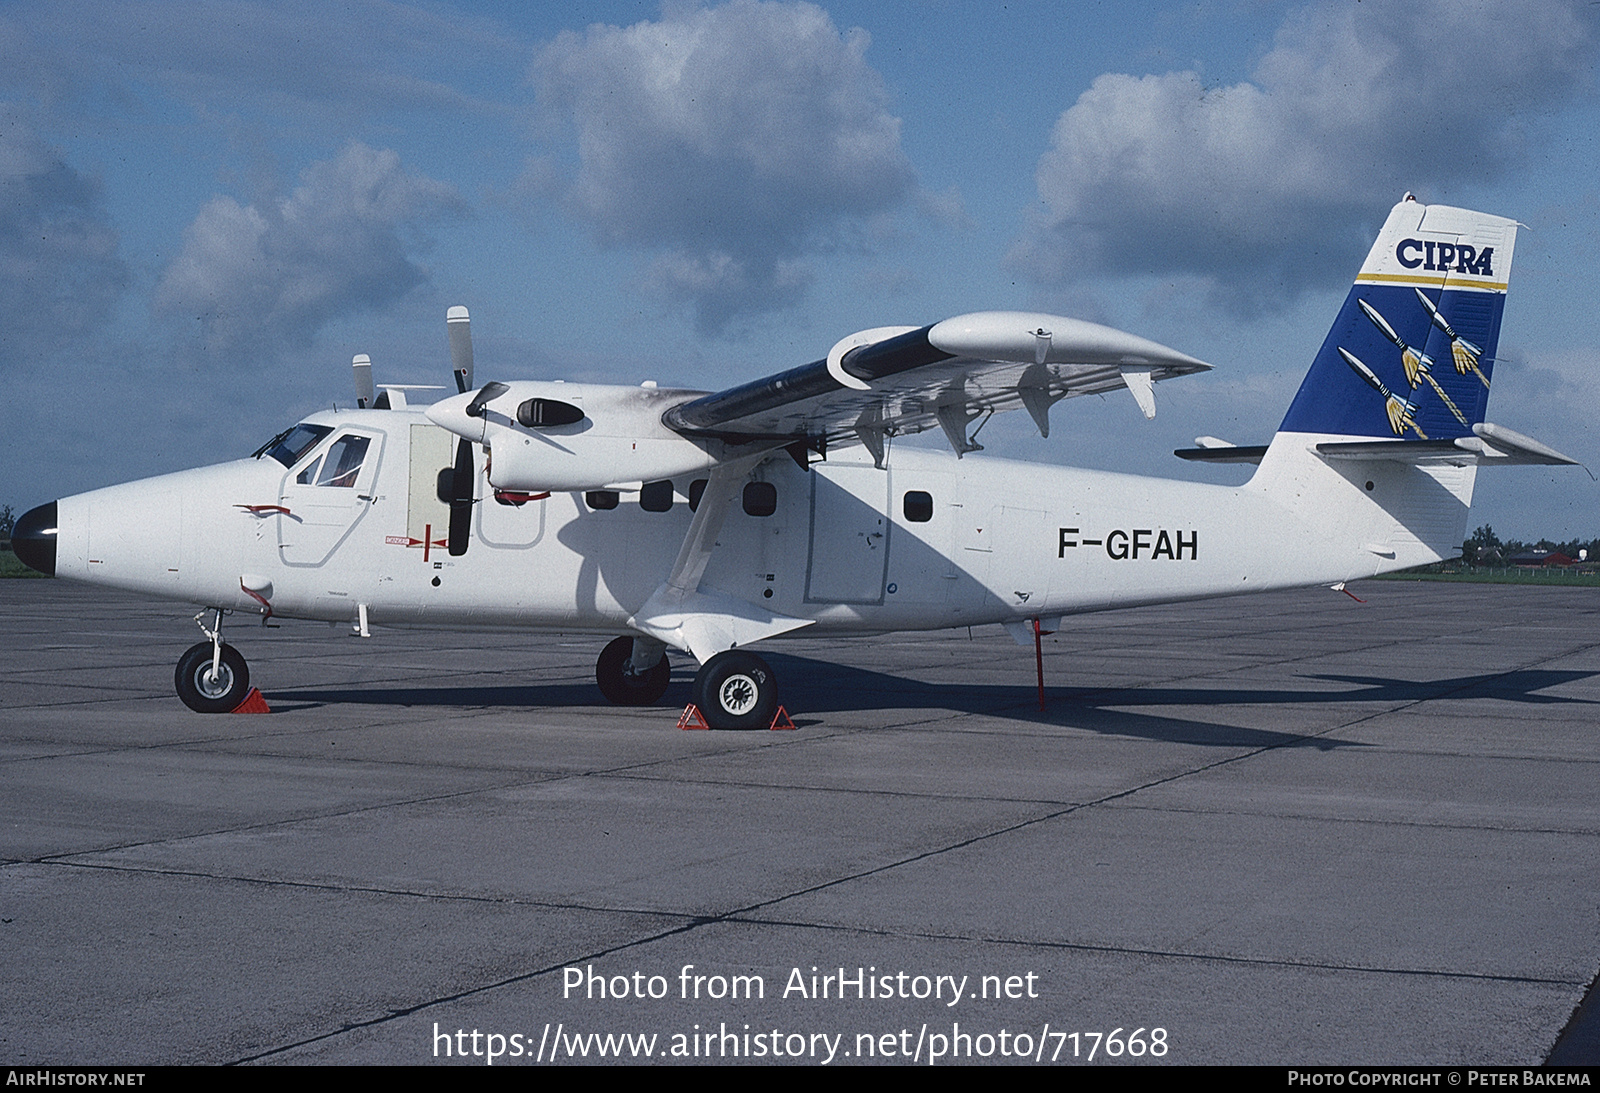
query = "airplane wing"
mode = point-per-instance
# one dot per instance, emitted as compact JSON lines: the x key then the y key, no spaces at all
{"x":896,"y":380}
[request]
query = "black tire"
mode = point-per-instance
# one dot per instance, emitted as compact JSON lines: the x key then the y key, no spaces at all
{"x":736,"y":690}
{"x":622,"y":687}
{"x":200,"y":692}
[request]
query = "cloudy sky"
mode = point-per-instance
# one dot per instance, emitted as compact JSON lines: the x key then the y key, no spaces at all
{"x":206,"y":206}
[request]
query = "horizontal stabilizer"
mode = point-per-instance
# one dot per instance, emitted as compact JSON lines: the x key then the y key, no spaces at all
{"x":1517,"y":447}
{"x":1490,"y":446}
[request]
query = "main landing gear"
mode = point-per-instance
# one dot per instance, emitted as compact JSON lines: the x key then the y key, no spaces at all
{"x":633,"y":671}
{"x":212,"y":677}
{"x":734,"y":689}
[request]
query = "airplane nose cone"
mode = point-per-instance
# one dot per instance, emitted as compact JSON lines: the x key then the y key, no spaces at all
{"x":34,"y":539}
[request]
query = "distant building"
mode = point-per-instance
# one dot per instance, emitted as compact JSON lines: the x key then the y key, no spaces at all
{"x":1540,"y":558}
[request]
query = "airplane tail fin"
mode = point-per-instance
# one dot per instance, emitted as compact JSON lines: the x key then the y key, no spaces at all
{"x":1378,"y":443}
{"x":1412,"y":352}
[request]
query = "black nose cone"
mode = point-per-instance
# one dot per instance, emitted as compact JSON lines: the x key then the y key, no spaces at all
{"x":34,"y":539}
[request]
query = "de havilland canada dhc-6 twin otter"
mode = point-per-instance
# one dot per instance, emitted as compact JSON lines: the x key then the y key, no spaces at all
{"x":708,"y":522}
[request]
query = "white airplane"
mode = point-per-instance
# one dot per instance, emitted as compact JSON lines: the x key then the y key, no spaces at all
{"x":708,"y":522}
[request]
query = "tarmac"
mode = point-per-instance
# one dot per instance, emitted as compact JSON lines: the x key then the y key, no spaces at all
{"x":1282,"y":829}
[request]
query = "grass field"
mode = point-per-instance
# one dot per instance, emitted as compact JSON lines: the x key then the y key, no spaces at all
{"x":1485,"y":575}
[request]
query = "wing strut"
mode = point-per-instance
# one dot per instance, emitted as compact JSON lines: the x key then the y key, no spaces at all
{"x":708,"y":622}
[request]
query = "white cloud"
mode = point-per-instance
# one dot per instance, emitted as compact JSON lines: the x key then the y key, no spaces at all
{"x":731,"y":141}
{"x":273,"y":273}
{"x":60,"y":275}
{"x":1276,"y":183}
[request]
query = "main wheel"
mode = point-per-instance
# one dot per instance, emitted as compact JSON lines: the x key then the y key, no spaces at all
{"x":620,"y":685}
{"x":736,"y":690}
{"x":204,"y":693}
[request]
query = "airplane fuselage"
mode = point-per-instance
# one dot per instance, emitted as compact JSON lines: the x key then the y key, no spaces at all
{"x":930,"y":541}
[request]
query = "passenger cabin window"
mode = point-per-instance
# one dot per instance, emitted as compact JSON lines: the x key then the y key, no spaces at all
{"x":918,"y":506}
{"x":760,"y":498}
{"x":656,"y":496}
{"x":288,"y":446}
{"x":601,"y":499}
{"x":697,"y":490}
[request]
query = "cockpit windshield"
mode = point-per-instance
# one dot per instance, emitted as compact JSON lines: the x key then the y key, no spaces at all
{"x":288,"y":446}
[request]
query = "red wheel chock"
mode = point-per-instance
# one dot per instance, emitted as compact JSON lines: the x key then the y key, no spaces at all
{"x":692,"y":718}
{"x":253,"y":703}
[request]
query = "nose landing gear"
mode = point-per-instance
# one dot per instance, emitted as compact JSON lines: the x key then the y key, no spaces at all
{"x":212,"y":677}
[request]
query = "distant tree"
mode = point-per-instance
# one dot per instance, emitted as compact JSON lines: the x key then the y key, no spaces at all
{"x":8,"y":520}
{"x":1483,"y":545}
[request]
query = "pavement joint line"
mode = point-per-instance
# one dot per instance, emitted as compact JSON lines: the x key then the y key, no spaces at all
{"x":857,"y":791}
{"x":517,"y":783}
{"x":260,"y":825}
{"x":368,"y":890}
{"x":1377,"y":822}
{"x":1501,"y":757}
{"x":395,"y":1014}
{"x":1173,"y":954}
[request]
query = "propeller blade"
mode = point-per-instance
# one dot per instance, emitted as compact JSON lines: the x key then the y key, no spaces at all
{"x":490,"y":392}
{"x":460,"y":328}
{"x":361,"y":364}
{"x":461,"y":483}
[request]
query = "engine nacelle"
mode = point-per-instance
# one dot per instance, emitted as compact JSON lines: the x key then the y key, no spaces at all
{"x":544,"y":435}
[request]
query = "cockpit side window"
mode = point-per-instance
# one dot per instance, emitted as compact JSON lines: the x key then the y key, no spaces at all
{"x":343,"y":462}
{"x":288,"y":446}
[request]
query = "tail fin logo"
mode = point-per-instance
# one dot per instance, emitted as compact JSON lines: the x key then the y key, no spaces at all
{"x":1418,"y":367}
{"x":1465,"y":354}
{"x":1447,"y":257}
{"x":1402,"y":412}
{"x":1411,"y":352}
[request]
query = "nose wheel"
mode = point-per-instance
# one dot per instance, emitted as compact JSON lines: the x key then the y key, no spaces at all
{"x":736,"y":690}
{"x":207,"y":684}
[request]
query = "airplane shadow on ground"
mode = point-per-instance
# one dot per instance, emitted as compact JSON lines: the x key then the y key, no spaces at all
{"x":809,"y":688}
